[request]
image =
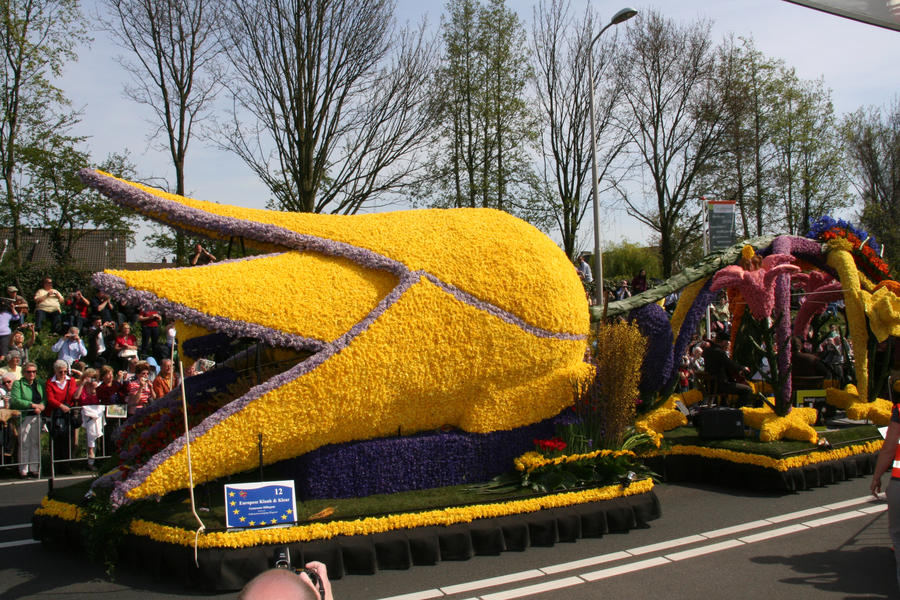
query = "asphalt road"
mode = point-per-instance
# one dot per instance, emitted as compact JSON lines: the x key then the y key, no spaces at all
{"x":710,"y":543}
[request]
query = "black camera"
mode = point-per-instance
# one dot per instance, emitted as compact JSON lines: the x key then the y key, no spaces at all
{"x":282,"y":560}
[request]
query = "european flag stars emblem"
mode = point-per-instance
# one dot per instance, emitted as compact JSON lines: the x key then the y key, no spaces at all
{"x":264,"y":504}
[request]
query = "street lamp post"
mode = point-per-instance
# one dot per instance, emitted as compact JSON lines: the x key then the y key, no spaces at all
{"x":599,"y":297}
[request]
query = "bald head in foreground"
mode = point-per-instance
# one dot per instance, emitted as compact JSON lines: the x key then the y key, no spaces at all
{"x":284,"y":584}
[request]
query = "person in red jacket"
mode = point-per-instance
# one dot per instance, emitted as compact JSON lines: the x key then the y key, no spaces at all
{"x":60,"y":399}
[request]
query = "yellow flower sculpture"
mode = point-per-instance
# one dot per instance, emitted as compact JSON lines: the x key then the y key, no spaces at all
{"x":883,"y":309}
{"x":878,"y":411}
{"x":841,"y":260}
{"x":797,"y":425}
{"x":665,"y":417}
{"x":413,"y":320}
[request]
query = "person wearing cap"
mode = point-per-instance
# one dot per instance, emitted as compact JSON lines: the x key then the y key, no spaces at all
{"x":20,"y":302}
{"x":623,"y":292}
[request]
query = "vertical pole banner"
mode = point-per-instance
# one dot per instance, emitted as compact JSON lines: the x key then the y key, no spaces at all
{"x":720,"y":216}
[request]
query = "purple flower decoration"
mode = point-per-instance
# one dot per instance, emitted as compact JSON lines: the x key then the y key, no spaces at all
{"x":704,"y":298}
{"x":782,"y":314}
{"x":420,"y":461}
{"x":656,"y":369}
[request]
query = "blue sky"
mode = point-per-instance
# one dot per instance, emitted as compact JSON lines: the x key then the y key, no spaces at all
{"x":857,"y":61}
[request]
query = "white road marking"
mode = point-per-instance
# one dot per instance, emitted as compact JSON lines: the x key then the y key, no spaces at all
{"x":736,"y":529}
{"x":875,"y":506}
{"x":818,"y":510}
{"x":708,"y":549}
{"x":626,"y":568}
{"x":850,"y":502}
{"x":19,"y":526}
{"x":493,"y":581}
{"x":833,"y":519}
{"x":531,"y":590}
{"x":585,"y":562}
{"x":19,"y":543}
{"x":774,"y":533}
{"x":423,"y":595}
{"x":666,"y":545}
{"x":873,"y":509}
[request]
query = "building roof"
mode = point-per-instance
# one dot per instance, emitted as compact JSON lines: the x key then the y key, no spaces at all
{"x":93,"y":249}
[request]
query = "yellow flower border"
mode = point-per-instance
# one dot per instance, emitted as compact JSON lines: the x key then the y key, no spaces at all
{"x":779,"y":464}
{"x":535,"y":460}
{"x":367,"y":526}
{"x":60,"y":510}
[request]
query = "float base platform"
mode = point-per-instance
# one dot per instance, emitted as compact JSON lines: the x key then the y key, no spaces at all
{"x":785,"y":466}
{"x":226,"y":569}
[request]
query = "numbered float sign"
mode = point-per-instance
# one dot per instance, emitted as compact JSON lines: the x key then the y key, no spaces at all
{"x":264,"y":504}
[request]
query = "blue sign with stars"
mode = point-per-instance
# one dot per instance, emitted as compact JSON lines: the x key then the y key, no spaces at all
{"x":264,"y":504}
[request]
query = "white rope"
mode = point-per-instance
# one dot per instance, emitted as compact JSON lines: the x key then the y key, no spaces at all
{"x":187,"y":445}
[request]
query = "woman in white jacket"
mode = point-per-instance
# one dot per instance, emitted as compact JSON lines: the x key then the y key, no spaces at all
{"x":92,"y":412}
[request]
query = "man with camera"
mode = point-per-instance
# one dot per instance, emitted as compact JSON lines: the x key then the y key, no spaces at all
{"x":201,"y":256}
{"x":69,"y":347}
{"x":12,"y":292}
{"x":47,"y":305}
{"x":286,"y":583}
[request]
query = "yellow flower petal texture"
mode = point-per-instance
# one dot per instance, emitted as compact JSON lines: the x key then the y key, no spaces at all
{"x":797,"y":425}
{"x":301,"y":293}
{"x":420,"y":348}
{"x":521,"y":271}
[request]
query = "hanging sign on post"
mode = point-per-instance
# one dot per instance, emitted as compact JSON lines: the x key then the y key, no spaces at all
{"x":720,"y":217}
{"x":263,"y":504}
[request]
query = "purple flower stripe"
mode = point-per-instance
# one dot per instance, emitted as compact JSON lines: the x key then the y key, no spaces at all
{"x":501,"y":314}
{"x":783,"y":245}
{"x":424,"y":460}
{"x":135,"y":478}
{"x":175,"y":212}
{"x":656,"y":368}
{"x":704,"y":298}
{"x":117,"y":288}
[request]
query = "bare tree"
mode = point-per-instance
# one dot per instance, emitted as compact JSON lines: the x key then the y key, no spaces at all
{"x":37,"y":38}
{"x":328,"y":99}
{"x":809,"y":169}
{"x":172,"y":50}
{"x":673,"y":127}
{"x":560,"y":54}
{"x":747,"y":82}
{"x":872,"y":141}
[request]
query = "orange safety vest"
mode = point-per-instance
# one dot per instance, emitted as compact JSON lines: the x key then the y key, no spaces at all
{"x":895,"y":470}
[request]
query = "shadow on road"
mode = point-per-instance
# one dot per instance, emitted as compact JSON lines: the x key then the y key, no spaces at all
{"x":857,"y":573}
{"x":38,"y":572}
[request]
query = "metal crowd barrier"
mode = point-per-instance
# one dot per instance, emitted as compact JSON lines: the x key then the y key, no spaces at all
{"x":61,"y":447}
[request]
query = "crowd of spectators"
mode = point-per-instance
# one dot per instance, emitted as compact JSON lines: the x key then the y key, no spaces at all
{"x":708,"y":361}
{"x":98,"y":361}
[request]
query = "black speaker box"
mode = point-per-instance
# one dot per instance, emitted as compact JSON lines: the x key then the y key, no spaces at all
{"x":720,"y":423}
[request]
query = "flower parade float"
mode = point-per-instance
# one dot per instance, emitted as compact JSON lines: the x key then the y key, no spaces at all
{"x":784,"y":450}
{"x":379,"y":358}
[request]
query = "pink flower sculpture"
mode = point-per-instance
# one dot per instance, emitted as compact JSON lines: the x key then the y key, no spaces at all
{"x":757,"y":287}
{"x":821,"y":289}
